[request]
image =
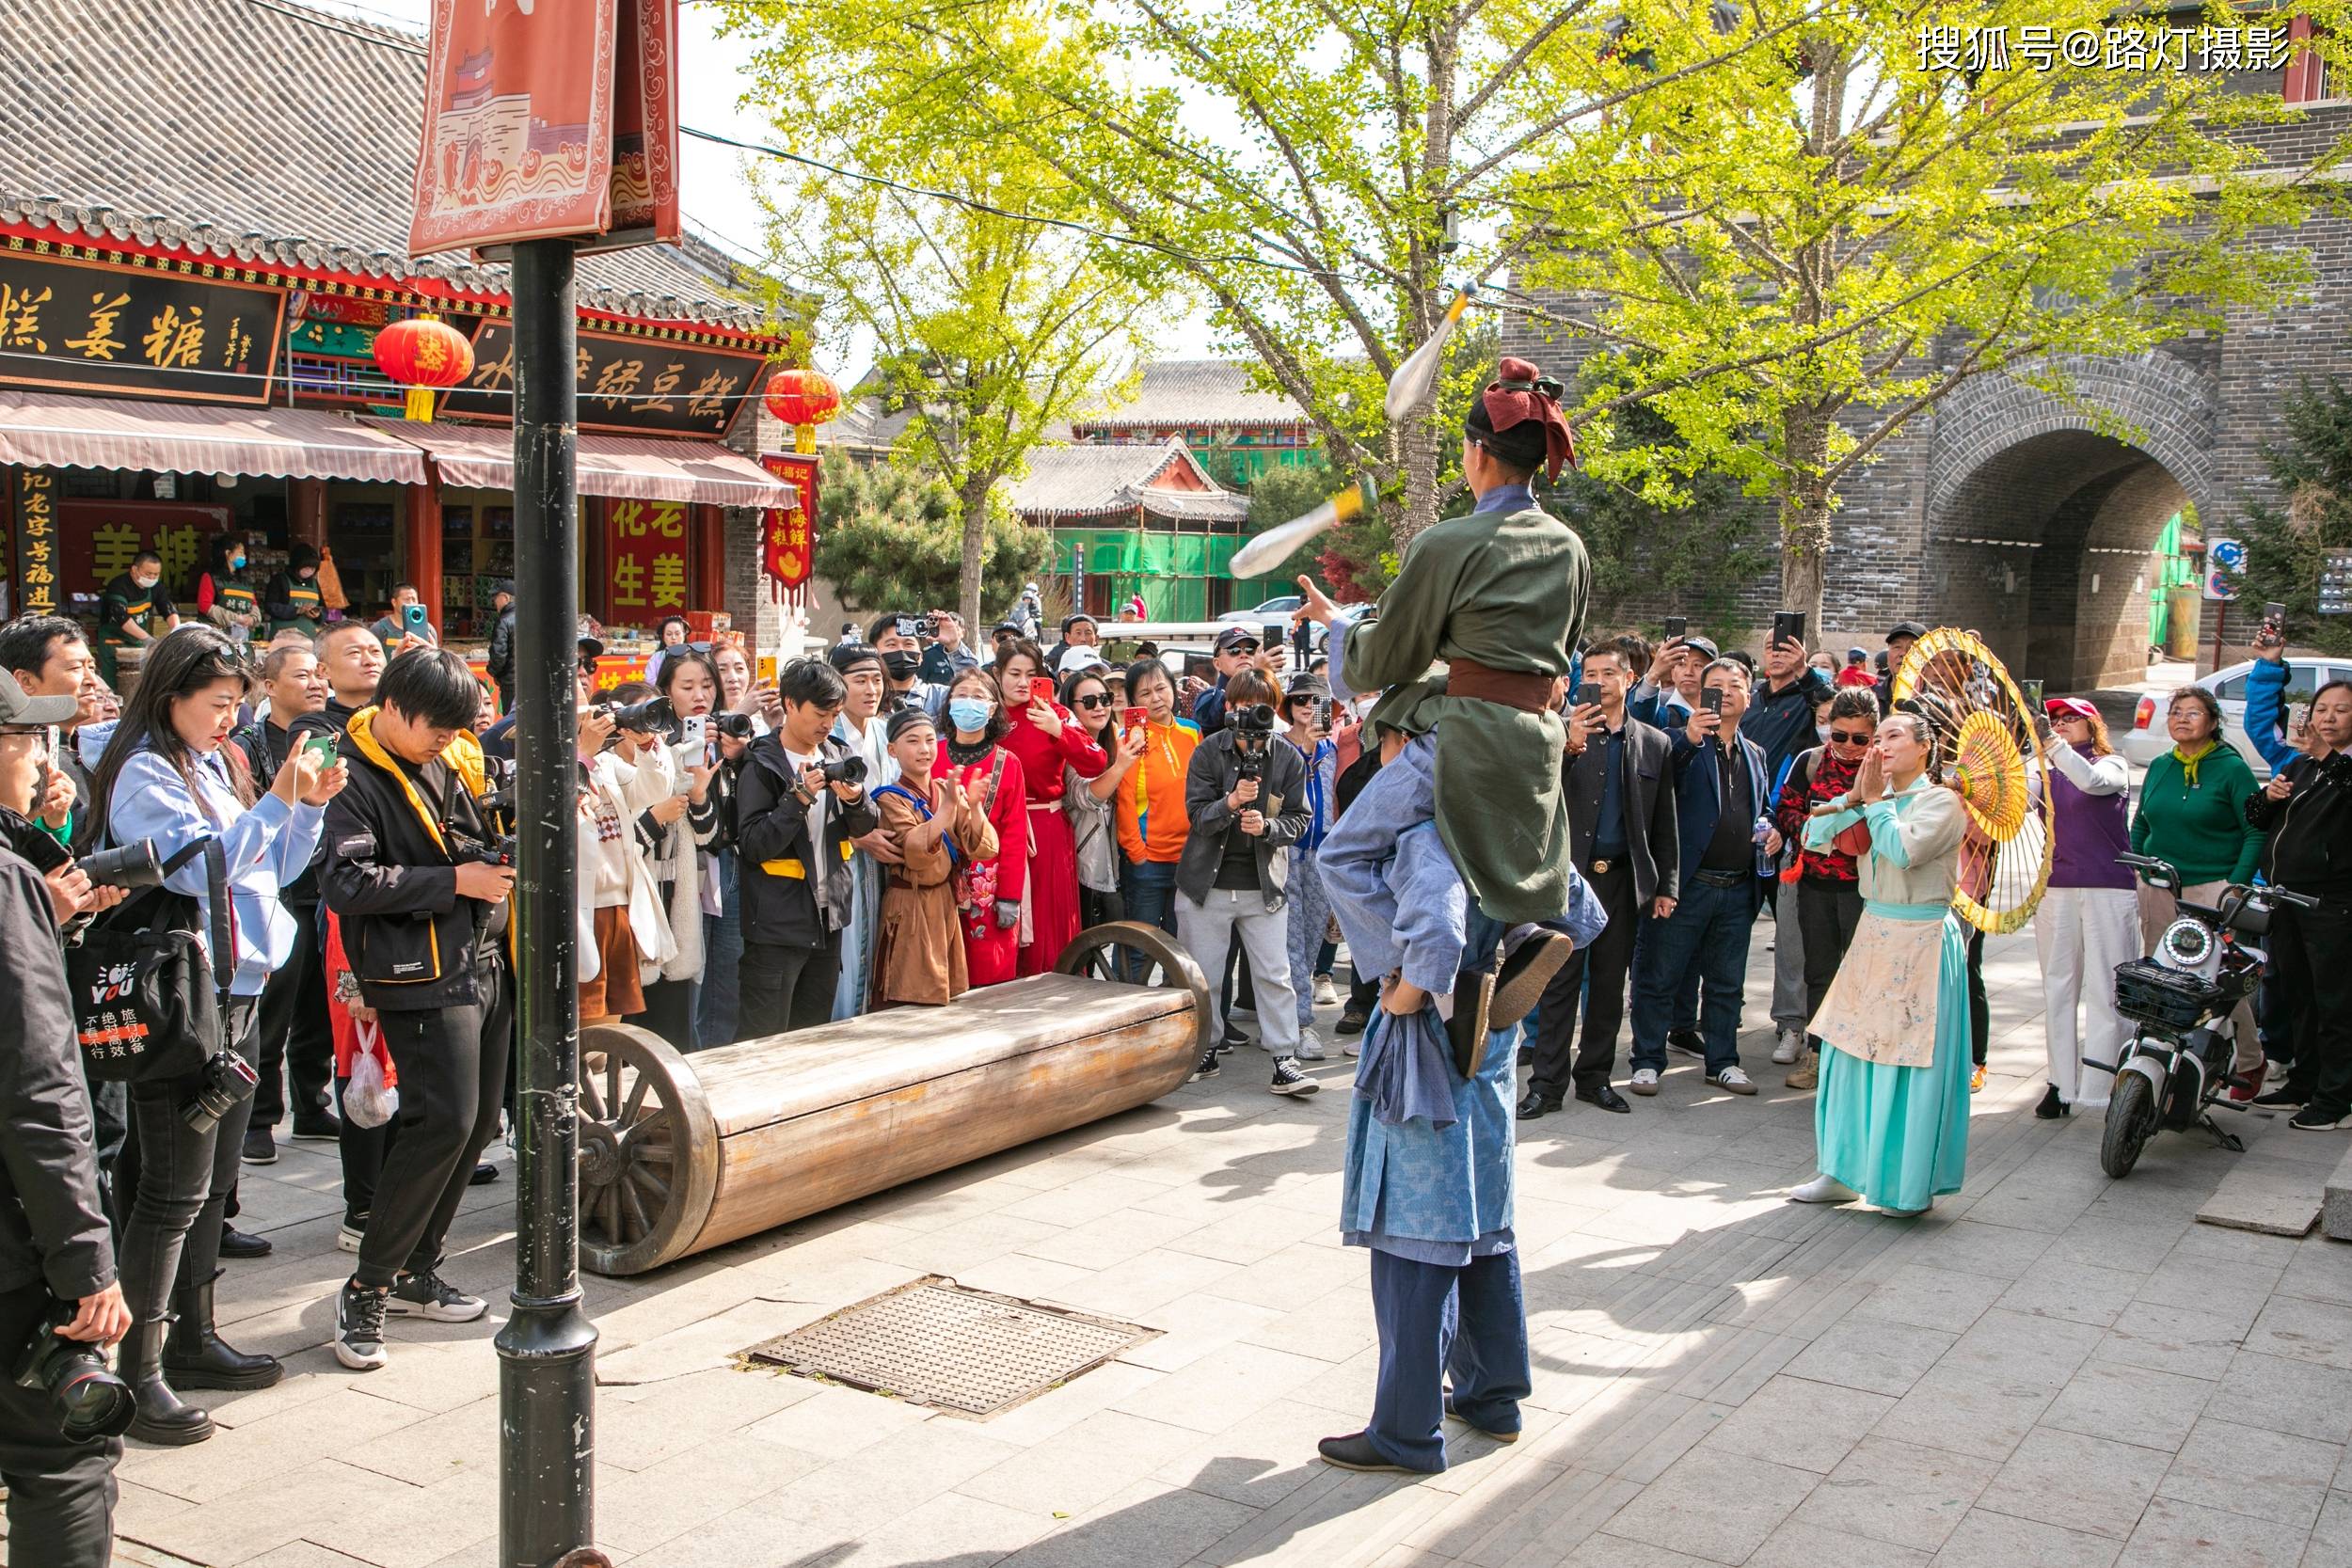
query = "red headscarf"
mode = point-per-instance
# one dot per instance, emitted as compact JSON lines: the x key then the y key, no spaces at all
{"x":1519,"y":397}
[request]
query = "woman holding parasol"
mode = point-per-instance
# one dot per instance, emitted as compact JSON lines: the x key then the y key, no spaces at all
{"x":1891,"y":1122}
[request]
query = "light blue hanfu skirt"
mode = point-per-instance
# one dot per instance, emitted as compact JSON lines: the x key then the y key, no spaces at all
{"x":1899,"y":1136}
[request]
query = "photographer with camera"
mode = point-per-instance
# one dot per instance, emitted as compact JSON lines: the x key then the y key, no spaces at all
{"x":421,"y":878}
{"x":1247,"y":797}
{"x":61,"y":1414}
{"x":50,"y":657}
{"x":947,"y":657}
{"x":624,"y":746}
{"x":865,"y":732}
{"x":801,"y":803}
{"x":899,"y":641}
{"x":169,"y":776}
{"x":681,"y":830}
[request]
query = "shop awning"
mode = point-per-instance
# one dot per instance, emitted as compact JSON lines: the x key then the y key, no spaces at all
{"x":48,"y":430}
{"x":633,"y":468}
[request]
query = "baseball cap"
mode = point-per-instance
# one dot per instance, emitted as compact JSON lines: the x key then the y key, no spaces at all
{"x":1855,"y":655}
{"x":1912,"y":629}
{"x":1703,"y":648}
{"x":2069,"y":707}
{"x":504,"y":585}
{"x":19,"y":711}
{"x":1235,"y":636}
{"x":1075,"y":659}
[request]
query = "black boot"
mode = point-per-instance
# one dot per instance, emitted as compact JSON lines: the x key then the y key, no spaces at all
{"x":195,"y":1356}
{"x":2052,"y":1107}
{"x":161,"y":1418}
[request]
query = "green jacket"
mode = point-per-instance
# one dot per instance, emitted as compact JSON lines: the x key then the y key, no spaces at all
{"x":2203,"y":832}
{"x":1507,"y":589}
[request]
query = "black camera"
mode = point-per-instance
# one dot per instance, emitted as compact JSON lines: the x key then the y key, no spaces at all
{"x":88,"y":1400}
{"x":132,"y":866}
{"x":653,"y":715}
{"x":1253,"y":727}
{"x":734,"y":726}
{"x":464,"y":848}
{"x":226,"y":1079}
{"x":844,"y":770}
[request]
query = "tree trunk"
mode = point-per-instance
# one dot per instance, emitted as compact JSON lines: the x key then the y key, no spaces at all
{"x":1805,"y":517}
{"x":1417,"y":454}
{"x":973,"y":501}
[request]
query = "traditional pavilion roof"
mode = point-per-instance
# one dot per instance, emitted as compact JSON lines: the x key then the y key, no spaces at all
{"x":1071,"y":483}
{"x":1174,"y":392}
{"x":270,"y":134}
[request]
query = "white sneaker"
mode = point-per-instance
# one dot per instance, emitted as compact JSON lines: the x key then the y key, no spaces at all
{"x":1787,"y":1047}
{"x":1823,"y":1188}
{"x":1327,"y":994}
{"x":1351,"y":1046}
{"x":1310,"y":1046}
{"x":1645,"y":1081}
{"x":1731,"y":1081}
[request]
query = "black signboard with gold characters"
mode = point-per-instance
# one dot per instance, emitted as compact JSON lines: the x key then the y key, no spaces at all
{"x":640,"y":385}
{"x":36,"y":557}
{"x":137,"y":331}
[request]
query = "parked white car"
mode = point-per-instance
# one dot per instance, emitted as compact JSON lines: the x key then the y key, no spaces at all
{"x":1276,"y":608}
{"x":2148,"y":738}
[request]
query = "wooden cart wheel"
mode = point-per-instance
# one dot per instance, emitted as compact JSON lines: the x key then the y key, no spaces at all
{"x":1126,"y":951}
{"x":648,"y":1151}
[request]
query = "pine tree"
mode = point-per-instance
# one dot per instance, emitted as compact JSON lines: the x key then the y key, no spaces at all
{"x":2313,"y":472}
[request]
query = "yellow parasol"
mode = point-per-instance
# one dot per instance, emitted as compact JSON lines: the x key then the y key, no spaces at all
{"x":1992,"y":752}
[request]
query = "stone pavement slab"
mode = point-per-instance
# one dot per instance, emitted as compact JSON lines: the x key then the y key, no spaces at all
{"x":2050,"y":1368}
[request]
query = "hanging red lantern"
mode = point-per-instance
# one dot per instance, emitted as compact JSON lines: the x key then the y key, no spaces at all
{"x":803,"y":399}
{"x":425,"y":355}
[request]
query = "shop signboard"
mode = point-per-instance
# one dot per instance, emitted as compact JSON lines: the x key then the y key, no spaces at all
{"x":542,"y":122}
{"x":81,"y":326}
{"x":790,"y":530}
{"x":98,"y":540}
{"x":39,"y":591}
{"x":644,"y":560}
{"x":630,"y":384}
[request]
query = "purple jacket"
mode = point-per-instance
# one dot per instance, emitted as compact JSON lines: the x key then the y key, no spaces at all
{"x":2091,"y":794}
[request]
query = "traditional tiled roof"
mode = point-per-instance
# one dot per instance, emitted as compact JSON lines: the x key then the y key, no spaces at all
{"x":267,"y":132}
{"x":1194,"y":392}
{"x":1074,"y":481}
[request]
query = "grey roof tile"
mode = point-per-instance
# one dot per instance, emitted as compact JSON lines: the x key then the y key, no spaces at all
{"x":1065,"y":482}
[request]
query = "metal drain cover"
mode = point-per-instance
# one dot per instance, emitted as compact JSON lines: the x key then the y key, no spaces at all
{"x":933,"y":1342}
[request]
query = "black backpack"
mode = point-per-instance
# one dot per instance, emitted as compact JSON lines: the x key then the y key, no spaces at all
{"x":143,"y":1005}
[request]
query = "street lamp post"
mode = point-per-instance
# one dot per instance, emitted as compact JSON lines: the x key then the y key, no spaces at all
{"x":547,"y":1351}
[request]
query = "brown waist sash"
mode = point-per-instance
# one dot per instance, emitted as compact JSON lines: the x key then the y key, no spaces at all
{"x":1529,"y":692}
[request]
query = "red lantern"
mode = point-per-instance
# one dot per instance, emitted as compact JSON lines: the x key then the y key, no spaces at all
{"x":423,"y":354}
{"x":803,"y":399}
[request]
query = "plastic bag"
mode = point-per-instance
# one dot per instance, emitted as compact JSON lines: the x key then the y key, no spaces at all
{"x":368,"y":1099}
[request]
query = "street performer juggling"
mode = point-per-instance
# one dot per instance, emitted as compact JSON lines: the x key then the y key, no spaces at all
{"x":1439,"y":874}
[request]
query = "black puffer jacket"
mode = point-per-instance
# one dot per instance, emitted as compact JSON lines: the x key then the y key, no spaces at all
{"x":784,"y":904}
{"x":2309,"y":847}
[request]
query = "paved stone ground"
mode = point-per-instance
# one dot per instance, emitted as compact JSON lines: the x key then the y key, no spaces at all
{"x":2052,"y":1369}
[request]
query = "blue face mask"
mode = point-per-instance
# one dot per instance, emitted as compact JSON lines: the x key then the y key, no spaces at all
{"x":968,"y":713}
{"x":236,"y":563}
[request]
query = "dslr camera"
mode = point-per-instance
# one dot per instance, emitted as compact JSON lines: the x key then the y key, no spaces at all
{"x":498,"y":851}
{"x":226,"y":1079}
{"x":734,"y":726}
{"x":88,"y":1400}
{"x":132,"y":866}
{"x":844,"y":770}
{"x":1253,"y":728}
{"x":653,"y":715}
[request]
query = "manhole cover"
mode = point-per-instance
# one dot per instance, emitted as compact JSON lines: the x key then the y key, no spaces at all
{"x":935,"y":1343}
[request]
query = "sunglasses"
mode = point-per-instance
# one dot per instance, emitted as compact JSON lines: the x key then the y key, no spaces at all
{"x":1850,"y":738}
{"x":1098,"y":699}
{"x":1241,"y":647}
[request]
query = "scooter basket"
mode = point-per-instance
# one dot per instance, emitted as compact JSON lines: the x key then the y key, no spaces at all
{"x":2147,"y":992}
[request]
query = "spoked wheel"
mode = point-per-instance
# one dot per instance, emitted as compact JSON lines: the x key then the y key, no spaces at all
{"x":2131,"y":1116}
{"x":1129,"y":952}
{"x":648,"y":1165}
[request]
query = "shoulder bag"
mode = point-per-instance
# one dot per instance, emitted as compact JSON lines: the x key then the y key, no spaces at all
{"x":143,"y":1005}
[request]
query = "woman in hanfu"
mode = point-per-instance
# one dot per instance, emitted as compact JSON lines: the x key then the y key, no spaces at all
{"x":1892,"y":1119}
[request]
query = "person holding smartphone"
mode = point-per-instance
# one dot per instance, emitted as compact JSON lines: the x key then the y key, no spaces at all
{"x":1051,"y":746}
{"x":1303,"y":712}
{"x":682,"y":829}
{"x":863,"y":729}
{"x":1780,"y":720}
{"x":167,"y":776}
{"x":406,"y":625}
{"x":1086,"y":691}
{"x":1146,"y":780}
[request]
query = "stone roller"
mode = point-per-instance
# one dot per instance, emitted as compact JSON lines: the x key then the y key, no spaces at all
{"x":679,"y":1155}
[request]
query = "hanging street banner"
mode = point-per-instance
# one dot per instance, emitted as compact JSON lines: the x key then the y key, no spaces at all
{"x":548,"y":119}
{"x":789,"y":532}
{"x":136,"y":331}
{"x":633,"y":386}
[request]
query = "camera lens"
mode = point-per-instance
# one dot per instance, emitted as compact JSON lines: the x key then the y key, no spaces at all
{"x":849,"y":771}
{"x":90,"y":1401}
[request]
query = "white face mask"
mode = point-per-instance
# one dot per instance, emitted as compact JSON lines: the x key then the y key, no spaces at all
{"x":1822,"y":730}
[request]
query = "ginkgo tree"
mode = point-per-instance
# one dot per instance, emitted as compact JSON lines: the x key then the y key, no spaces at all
{"x":1837,"y":234}
{"x":1321,"y":173}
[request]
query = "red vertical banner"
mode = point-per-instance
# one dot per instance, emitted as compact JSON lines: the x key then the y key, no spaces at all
{"x":789,"y":531}
{"x":644,"y":122}
{"x":645,"y":561}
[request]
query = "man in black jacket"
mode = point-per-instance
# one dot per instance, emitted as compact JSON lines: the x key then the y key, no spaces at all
{"x":416,"y":873}
{"x":1780,"y":720}
{"x":54,"y":1241}
{"x":1620,"y":780}
{"x":500,"y":663}
{"x":793,"y":835}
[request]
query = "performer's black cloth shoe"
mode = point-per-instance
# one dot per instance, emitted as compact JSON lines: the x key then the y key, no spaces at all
{"x":1452,"y":1414}
{"x":1473,"y":1003}
{"x":1356,"y":1452}
{"x":1527,"y":966}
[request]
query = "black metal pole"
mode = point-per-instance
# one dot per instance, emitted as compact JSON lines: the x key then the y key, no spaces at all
{"x":546,"y":1352}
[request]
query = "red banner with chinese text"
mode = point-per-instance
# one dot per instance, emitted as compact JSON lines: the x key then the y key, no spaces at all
{"x":98,"y":538}
{"x":645,"y":561}
{"x":789,"y":532}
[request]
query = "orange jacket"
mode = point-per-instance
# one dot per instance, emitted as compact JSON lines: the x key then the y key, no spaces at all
{"x":1153,"y":822}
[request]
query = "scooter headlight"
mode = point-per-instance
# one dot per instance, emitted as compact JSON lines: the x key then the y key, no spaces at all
{"x":2189,"y":947}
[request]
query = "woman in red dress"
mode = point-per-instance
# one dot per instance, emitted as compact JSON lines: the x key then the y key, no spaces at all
{"x":1047,"y":738}
{"x":988,"y":892}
